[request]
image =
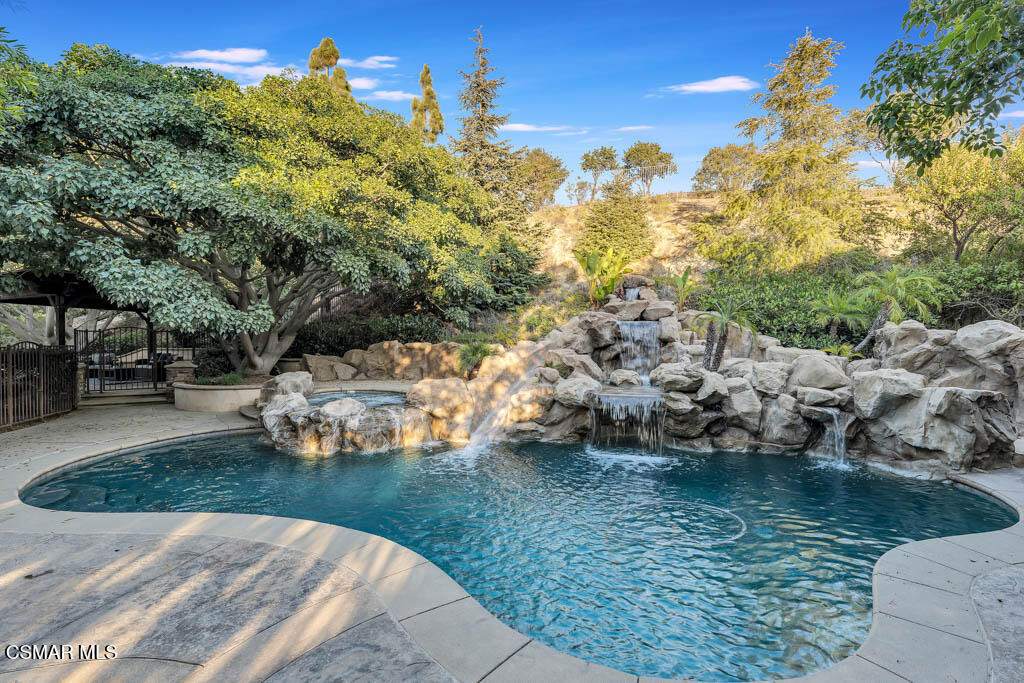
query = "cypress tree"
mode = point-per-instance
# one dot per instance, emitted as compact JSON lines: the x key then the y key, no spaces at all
{"x":426,"y":113}
{"x":322,"y":59}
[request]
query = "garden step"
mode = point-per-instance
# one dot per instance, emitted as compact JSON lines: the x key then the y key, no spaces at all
{"x":122,"y":398}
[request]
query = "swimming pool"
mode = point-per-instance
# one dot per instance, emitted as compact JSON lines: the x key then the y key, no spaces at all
{"x":718,"y":567}
{"x":371,"y":399}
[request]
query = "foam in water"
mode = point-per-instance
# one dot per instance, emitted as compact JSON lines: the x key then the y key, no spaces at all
{"x":618,"y":414}
{"x":639,"y":347}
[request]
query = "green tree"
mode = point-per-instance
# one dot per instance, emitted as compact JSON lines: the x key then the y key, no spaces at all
{"x":596,"y":162}
{"x":950,"y":87}
{"x":322,"y":59}
{"x":426,"y":112}
{"x":543,"y":175}
{"x":234,"y":209}
{"x":805,"y":199}
{"x":725,"y":314}
{"x":840,"y":308}
{"x":727,"y":169}
{"x":646,"y":162}
{"x":16,"y":78}
{"x":895,"y":292}
{"x":619,"y":221}
{"x":579,"y":191}
{"x":492,"y":164}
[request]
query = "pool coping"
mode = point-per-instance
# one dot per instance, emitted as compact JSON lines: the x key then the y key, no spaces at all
{"x":924,"y":625}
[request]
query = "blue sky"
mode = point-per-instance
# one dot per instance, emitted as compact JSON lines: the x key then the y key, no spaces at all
{"x":578,"y":74}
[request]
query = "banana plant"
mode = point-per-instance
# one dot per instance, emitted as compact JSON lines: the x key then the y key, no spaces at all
{"x":602,"y":273}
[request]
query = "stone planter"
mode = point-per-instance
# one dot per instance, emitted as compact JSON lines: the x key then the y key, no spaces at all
{"x":289,"y":365}
{"x":204,"y":398}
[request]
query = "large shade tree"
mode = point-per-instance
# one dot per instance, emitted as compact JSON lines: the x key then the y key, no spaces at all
{"x":646,"y":162}
{"x":213,"y":206}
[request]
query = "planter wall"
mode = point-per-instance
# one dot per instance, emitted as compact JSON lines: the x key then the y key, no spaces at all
{"x":214,"y":399}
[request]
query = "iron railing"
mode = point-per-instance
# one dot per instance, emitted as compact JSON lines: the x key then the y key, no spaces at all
{"x":36,"y":382}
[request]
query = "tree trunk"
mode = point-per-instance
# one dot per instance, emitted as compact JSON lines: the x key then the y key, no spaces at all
{"x":880,"y":319}
{"x":833,"y":330}
{"x":723,"y":339}
{"x":709,"y":346}
{"x":593,"y":188}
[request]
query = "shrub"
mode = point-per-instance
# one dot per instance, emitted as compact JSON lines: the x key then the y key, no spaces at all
{"x":472,"y":354}
{"x":513,"y":274}
{"x":212,"y":363}
{"x":979,"y":291}
{"x":229,"y":379}
{"x":619,"y":222}
{"x":335,"y":337}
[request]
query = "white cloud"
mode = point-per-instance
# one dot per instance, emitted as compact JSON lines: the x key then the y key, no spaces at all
{"x":575,"y":132}
{"x":530,"y":128}
{"x":248,"y":73}
{"x":1018,"y":114}
{"x":360,"y":83}
{"x":375,"y":62}
{"x":626,"y":129}
{"x":720,"y":84}
{"x":389,"y":95}
{"x":870,"y":164}
{"x":240,"y":55}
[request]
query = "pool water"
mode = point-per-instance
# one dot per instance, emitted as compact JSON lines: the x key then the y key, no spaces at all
{"x":371,"y":399}
{"x":722,"y":567}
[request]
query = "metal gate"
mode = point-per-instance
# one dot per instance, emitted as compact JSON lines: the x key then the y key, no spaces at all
{"x":133,"y":358}
{"x":36,"y":382}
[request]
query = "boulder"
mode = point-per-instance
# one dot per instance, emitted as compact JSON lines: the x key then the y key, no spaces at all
{"x":811,"y":396}
{"x":444,"y":399}
{"x":524,"y":431}
{"x":577,"y":362}
{"x":737,"y":367}
{"x":674,"y":352}
{"x":375,"y":361}
{"x":680,"y":405}
{"x":713,"y":391}
{"x":770,"y":377}
{"x":782,"y":423}
{"x":626,"y":310}
{"x":695,"y":425}
{"x":647,"y":293}
{"x":442,"y":361}
{"x":669,"y":329}
{"x":862,"y":365}
{"x":635,"y":281}
{"x":815,"y":371}
{"x":275,"y":417}
{"x":878,"y":391}
{"x":530,"y":403}
{"x":328,"y":368}
{"x":979,"y":335}
{"x":656,"y":310}
{"x":549,"y":375}
{"x":690,"y":320}
{"x":347,"y":410}
{"x":786,"y":354}
{"x":355,"y":358}
{"x":742,"y":407}
{"x":287,"y":383}
{"x":622,"y":376}
{"x":678,"y":376}
{"x":600,"y":327}
{"x":577,"y":391}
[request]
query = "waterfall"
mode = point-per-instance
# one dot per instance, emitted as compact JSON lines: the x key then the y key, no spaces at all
{"x":632,"y":293}
{"x":838,"y":435}
{"x":494,"y":420}
{"x":637,"y":411}
{"x":639,"y":347}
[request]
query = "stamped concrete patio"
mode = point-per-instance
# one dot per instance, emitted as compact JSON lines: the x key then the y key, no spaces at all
{"x":248,"y":597}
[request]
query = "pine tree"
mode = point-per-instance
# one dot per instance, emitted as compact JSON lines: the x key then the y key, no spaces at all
{"x":492,"y":164}
{"x":426,"y":113}
{"x":322,"y":59}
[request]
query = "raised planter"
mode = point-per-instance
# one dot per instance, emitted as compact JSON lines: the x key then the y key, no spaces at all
{"x":212,"y":398}
{"x":289,"y":365}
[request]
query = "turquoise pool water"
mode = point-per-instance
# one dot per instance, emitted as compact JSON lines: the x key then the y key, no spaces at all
{"x":723,"y":567}
{"x":371,"y":399}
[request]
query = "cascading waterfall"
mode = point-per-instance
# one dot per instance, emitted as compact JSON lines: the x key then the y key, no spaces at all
{"x":629,"y":412}
{"x":632,"y":293}
{"x":838,"y":435}
{"x":639,"y":347}
{"x":494,"y":420}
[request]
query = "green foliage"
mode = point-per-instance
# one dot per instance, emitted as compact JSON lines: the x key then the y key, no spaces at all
{"x":211,"y":363}
{"x":17,"y":81}
{"x":335,"y":337}
{"x":602,"y":272}
{"x":684,"y":286}
{"x":579,"y":191}
{"x":724,"y":313}
{"x":426,"y":112}
{"x":512,"y":274}
{"x":900,"y":292}
{"x":563,"y":370}
{"x":618,"y":222}
{"x":543,"y":175}
{"x":951,"y":87}
{"x":727,"y":169}
{"x":596,"y":162}
{"x":983,"y":290}
{"x":472,"y":354}
{"x":844,"y":349}
{"x":840,"y":308}
{"x":647,"y":161}
{"x":228,"y":380}
{"x":322,"y":59}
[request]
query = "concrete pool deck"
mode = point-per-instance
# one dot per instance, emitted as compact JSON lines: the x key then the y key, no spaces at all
{"x":251,"y":597}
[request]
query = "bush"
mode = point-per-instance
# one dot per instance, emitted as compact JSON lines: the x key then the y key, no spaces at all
{"x":335,"y":337}
{"x":472,"y":354}
{"x":618,"y":222}
{"x":513,"y":274}
{"x":979,"y":291}
{"x":212,"y":363}
{"x":229,"y":380}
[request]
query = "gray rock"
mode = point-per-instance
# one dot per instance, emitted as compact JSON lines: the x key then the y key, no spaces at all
{"x":601,"y":328}
{"x":742,"y":407}
{"x":713,"y":391}
{"x":656,"y":310}
{"x":782,"y":423}
{"x":669,"y":329}
{"x":626,"y":310}
{"x":811,"y":396}
{"x":678,"y":377}
{"x":815,"y":371}
{"x":878,"y":391}
{"x":549,"y":375}
{"x":674,"y":352}
{"x":770,"y":377}
{"x":786,"y":354}
{"x":622,"y":376}
{"x":577,"y":391}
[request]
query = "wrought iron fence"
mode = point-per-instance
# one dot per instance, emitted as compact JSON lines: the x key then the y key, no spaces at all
{"x":36,"y":382}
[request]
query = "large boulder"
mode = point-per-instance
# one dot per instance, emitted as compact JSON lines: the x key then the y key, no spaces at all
{"x":622,"y":377}
{"x":328,"y":368}
{"x":674,"y":352}
{"x":576,"y":362}
{"x":287,"y":383}
{"x":530,"y":403}
{"x":788,"y":354}
{"x":656,"y":310}
{"x":742,"y":407}
{"x":626,"y":310}
{"x":713,"y":391}
{"x":601,"y":328}
{"x":679,"y":405}
{"x":678,"y":376}
{"x":275,"y":417}
{"x":441,"y":398}
{"x":578,"y":391}
{"x":979,"y":335}
{"x":770,"y":377}
{"x":647,"y":293}
{"x":811,"y":396}
{"x":442,"y":361}
{"x":669,"y":329}
{"x":815,"y":371}
{"x":346,"y":410}
{"x":879,"y":391}
{"x":782,"y":423}
{"x":737,"y":367}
